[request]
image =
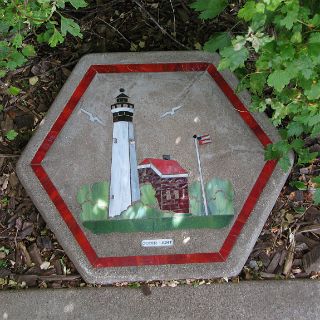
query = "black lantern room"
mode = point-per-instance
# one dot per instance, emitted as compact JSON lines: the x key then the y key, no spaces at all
{"x":122,"y":110}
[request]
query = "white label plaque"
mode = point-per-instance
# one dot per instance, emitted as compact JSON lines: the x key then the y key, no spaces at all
{"x":157,"y":243}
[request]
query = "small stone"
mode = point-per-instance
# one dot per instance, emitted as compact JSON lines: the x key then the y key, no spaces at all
{"x":304,"y":170}
{"x":45,"y":265}
{"x":311,"y":260}
{"x":33,"y":80}
{"x":253,"y":265}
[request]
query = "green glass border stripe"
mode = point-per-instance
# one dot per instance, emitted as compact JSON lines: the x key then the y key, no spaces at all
{"x":158,"y":224}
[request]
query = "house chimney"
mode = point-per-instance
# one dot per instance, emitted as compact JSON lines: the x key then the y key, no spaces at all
{"x":166,"y":157}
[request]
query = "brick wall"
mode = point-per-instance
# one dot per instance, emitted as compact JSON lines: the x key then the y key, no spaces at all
{"x":172,"y":193}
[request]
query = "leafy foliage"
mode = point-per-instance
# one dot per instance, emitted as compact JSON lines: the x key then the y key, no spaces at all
{"x":147,"y":207}
{"x":281,"y":53}
{"x":220,"y":197}
{"x":209,"y":8}
{"x":11,"y":134}
{"x":94,"y":201}
{"x":219,"y":194}
{"x":19,"y":19}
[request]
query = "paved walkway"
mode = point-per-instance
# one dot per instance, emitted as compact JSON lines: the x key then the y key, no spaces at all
{"x":261,"y":300}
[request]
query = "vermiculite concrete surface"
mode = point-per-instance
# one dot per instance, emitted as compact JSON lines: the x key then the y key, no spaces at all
{"x":149,"y":166}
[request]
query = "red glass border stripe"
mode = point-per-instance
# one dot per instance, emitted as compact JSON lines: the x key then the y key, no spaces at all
{"x":69,"y":219}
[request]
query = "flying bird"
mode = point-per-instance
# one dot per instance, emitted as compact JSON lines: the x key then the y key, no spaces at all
{"x":171,"y":112}
{"x":92,"y":118}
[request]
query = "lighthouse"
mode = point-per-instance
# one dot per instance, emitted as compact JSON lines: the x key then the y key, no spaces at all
{"x":124,"y":184}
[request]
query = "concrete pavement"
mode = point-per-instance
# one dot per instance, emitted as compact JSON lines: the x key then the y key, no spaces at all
{"x":285,"y":300}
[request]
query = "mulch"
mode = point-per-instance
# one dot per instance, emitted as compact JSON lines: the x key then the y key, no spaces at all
{"x":30,"y":255}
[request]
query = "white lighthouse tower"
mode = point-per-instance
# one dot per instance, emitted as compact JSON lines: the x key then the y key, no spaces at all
{"x":124,"y":185}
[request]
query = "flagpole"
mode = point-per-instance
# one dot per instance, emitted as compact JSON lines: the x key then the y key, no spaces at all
{"x":201,"y":178}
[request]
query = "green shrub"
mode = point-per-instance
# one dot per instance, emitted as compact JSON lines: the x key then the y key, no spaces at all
{"x":20,"y":19}
{"x":278,"y":61}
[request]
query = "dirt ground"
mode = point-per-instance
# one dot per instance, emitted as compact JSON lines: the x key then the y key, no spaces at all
{"x":30,"y":255}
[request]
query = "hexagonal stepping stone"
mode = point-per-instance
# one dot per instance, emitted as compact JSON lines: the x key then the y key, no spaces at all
{"x":149,"y":166}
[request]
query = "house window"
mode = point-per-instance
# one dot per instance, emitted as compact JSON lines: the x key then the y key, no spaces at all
{"x":168,"y":195}
{"x":176,"y":194}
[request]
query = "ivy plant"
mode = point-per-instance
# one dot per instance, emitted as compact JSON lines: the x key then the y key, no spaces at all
{"x":278,"y":61}
{"x":21,"y":19}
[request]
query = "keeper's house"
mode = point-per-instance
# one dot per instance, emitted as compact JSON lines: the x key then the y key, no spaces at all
{"x":169,"y":180}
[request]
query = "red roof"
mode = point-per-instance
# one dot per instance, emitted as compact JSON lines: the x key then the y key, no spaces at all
{"x":166,"y":167}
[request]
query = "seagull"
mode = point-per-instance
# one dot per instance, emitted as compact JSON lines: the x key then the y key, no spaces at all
{"x":171,"y":112}
{"x":92,"y":118}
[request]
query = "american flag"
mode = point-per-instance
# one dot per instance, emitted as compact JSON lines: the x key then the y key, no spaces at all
{"x":204,"y":139}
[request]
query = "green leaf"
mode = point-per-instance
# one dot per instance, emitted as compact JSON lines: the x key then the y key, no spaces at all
{"x":257,"y":82}
{"x":248,"y":11}
{"x":316,"y":196}
{"x":55,"y":38}
{"x":17,"y":40}
{"x":209,"y":8}
{"x":297,"y":144}
{"x":69,"y":25}
{"x":11,"y":135}
{"x":16,"y":59}
{"x":279,"y":79}
{"x":218,"y":42}
{"x":14,"y":91}
{"x":296,"y":37}
{"x":315,"y":131}
{"x":314,"y":37}
{"x":78,"y":3}
{"x":316,"y":180}
{"x":314,"y":92}
{"x":314,"y":46}
{"x":287,"y":51}
{"x":271,"y":153}
{"x":233,"y":59}
{"x":273,"y":4}
{"x":290,"y":19}
{"x":298,"y":184}
{"x":315,"y":119}
{"x":295,"y":129}
{"x":61,"y":4}
{"x":284,"y":162}
{"x":29,"y":51}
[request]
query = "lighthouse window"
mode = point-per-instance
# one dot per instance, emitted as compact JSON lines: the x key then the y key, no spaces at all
{"x":168,"y":195}
{"x":176,"y":194}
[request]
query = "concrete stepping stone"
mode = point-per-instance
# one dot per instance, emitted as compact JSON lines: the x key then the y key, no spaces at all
{"x":150,"y":166}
